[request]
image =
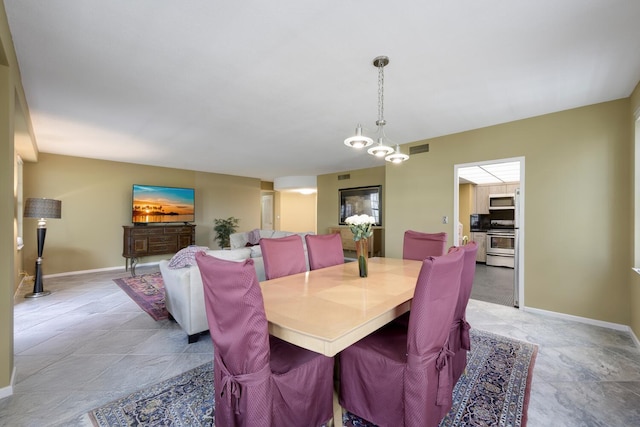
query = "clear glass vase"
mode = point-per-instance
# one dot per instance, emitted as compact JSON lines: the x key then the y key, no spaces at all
{"x":362,"y":254}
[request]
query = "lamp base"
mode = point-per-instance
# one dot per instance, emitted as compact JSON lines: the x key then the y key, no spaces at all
{"x":38,"y":294}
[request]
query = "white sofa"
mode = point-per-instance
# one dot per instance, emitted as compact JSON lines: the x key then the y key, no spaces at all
{"x":184,"y":295}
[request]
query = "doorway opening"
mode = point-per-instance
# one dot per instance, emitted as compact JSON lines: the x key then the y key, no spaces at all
{"x":489,"y":207}
{"x":266,"y":210}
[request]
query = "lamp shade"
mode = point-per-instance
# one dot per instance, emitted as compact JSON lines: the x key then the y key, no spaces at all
{"x":43,"y":208}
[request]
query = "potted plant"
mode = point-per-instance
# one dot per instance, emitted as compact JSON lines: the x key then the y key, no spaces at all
{"x":224,"y":228}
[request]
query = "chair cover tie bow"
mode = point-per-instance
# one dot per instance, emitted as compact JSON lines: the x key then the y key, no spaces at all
{"x":232,"y":384}
{"x":465,"y":340}
{"x":441,"y":357}
{"x":445,"y":387}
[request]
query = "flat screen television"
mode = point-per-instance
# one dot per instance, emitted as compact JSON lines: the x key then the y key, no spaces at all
{"x":156,"y":204}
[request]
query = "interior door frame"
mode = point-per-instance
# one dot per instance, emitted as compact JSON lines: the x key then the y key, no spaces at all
{"x":521,"y":232}
{"x":263,"y":214}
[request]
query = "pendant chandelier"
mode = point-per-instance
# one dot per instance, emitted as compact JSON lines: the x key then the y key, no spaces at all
{"x":382,"y":148}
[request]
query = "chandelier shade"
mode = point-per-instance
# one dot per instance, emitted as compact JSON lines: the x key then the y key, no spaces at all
{"x":397,"y":156}
{"x":380,"y":150}
{"x":358,"y":140}
{"x":383,"y":149}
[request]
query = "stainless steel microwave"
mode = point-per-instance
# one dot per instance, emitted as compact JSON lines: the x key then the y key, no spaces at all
{"x":502,"y":201}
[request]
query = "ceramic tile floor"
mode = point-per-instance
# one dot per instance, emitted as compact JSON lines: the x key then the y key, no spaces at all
{"x":493,"y":284}
{"x":88,"y":343}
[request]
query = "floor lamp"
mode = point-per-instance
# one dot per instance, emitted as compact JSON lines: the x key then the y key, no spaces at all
{"x":41,"y":209}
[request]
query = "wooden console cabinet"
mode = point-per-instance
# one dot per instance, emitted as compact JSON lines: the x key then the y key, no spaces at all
{"x":348,"y":244}
{"x":145,"y":240}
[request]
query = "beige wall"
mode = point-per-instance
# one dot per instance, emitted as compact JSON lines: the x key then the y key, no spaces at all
{"x":577,"y":222}
{"x":328,"y":198}
{"x":96,"y":203}
{"x":16,"y":137}
{"x":634,"y":282}
{"x":297,"y":212}
{"x":222,"y":196}
{"x":7,"y":223}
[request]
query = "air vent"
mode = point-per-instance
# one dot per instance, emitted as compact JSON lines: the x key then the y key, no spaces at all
{"x":345,"y":176}
{"x":424,"y":148}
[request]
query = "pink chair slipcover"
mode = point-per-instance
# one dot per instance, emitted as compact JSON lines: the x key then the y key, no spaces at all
{"x":324,"y":250}
{"x":258,"y":380}
{"x":419,"y":245}
{"x":402,"y":377}
{"x":459,"y":340}
{"x":283,"y":256}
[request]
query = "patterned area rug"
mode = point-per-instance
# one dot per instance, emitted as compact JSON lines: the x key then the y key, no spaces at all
{"x":493,"y":392}
{"x":147,"y":291}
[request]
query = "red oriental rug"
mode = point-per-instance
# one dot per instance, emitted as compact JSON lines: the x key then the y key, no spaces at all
{"x":147,"y":291}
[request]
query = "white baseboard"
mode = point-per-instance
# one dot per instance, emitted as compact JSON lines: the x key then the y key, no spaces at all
{"x":22,"y":282}
{"x":8,"y":390}
{"x":586,"y":320}
{"x":98,"y":270}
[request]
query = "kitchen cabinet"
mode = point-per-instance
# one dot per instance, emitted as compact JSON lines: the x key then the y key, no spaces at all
{"x":497,"y":189}
{"x":483,"y":191}
{"x":481,"y":240}
{"x":482,"y":199}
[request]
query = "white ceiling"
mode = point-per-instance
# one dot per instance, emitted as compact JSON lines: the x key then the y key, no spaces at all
{"x":490,"y":174}
{"x":267,"y":89}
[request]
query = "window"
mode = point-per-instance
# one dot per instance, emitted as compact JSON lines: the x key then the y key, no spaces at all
{"x":19,"y":203}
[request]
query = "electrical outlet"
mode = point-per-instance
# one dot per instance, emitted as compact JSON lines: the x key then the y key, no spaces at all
{"x":445,"y":219}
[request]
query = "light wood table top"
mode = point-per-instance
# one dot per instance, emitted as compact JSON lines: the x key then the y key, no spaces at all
{"x":327,"y":310}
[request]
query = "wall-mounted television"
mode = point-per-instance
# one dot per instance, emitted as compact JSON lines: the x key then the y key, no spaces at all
{"x":156,"y":204}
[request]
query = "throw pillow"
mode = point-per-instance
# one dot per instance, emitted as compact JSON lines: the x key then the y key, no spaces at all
{"x":186,"y":257}
{"x":254,"y":236}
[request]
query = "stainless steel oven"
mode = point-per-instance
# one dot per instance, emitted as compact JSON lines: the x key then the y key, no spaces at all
{"x":501,"y":248}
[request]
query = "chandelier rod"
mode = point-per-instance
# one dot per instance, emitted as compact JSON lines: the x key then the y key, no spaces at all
{"x":380,"y":62}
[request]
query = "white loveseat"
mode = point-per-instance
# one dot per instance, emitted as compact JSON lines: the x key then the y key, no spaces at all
{"x":184,"y":295}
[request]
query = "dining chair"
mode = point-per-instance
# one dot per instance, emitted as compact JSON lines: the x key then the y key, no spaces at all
{"x":283,"y":256}
{"x":259,"y":380}
{"x":418,"y":245}
{"x":400,"y":376}
{"x":459,"y":340}
{"x":324,"y":250}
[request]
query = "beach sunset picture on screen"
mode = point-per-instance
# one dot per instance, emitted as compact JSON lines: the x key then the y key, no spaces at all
{"x":155,"y":204}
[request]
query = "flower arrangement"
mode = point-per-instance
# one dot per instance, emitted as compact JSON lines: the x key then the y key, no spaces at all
{"x":360,"y":226}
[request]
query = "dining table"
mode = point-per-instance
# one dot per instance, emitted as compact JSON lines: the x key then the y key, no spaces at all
{"x":328,"y":309}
